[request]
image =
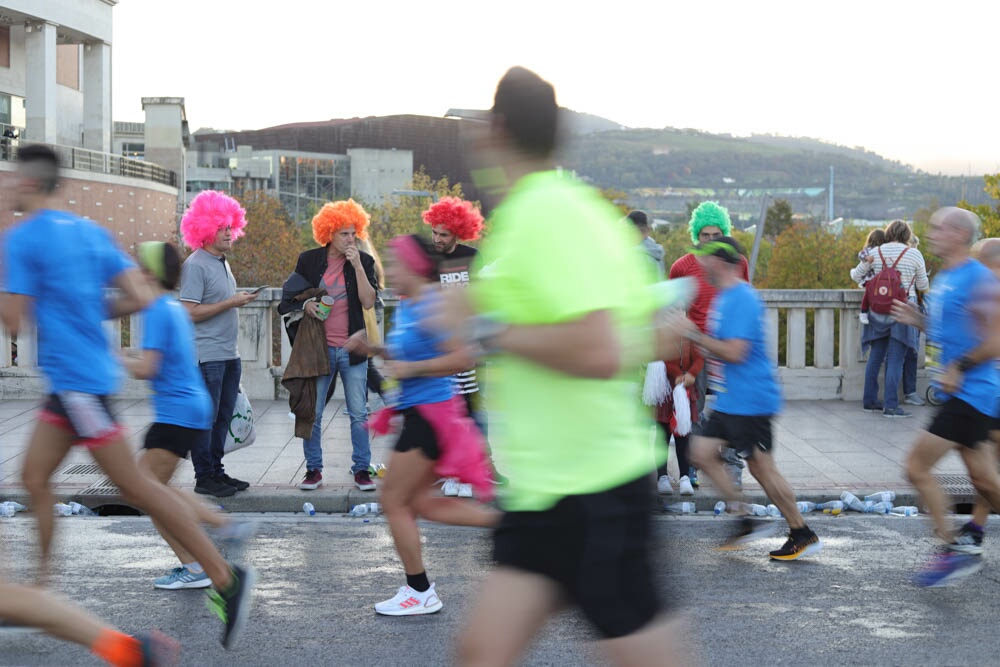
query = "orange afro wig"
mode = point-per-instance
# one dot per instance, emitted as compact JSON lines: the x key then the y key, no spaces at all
{"x":456,"y":215}
{"x":339,"y":215}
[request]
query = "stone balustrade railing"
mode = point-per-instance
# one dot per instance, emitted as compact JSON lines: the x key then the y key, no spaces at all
{"x":821,"y":357}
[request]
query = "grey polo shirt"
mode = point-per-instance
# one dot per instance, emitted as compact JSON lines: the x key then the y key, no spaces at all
{"x":208,"y":279}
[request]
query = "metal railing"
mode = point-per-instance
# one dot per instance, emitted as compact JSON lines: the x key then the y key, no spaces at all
{"x":83,"y":159}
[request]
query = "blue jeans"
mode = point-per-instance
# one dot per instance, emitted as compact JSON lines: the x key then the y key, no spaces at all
{"x":892,"y":352}
{"x":222,"y":379}
{"x":355,"y":380}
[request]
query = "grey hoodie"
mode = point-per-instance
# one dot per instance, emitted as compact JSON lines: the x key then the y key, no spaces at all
{"x":655,"y":252}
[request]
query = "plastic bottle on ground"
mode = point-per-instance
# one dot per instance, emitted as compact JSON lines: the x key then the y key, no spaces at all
{"x":681,"y":508}
{"x":62,"y":509}
{"x":805,"y":506}
{"x":877,"y":508}
{"x":756,"y":510}
{"x":905,"y":510}
{"x":363,"y":509}
{"x":852,"y":501}
{"x":882,"y":497}
{"x":81,"y":510}
{"x":720,"y":508}
{"x":7,"y":510}
{"x":772,"y":510}
{"x":309,"y":509}
{"x":833,"y":507}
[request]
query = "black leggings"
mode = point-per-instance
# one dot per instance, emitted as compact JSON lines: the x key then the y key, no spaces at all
{"x":681,"y":445}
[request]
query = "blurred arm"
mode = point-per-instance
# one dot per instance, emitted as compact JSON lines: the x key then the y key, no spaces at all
{"x":587,"y":347}
{"x":134,"y":296}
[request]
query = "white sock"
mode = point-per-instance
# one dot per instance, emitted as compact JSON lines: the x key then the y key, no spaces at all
{"x":194,"y":567}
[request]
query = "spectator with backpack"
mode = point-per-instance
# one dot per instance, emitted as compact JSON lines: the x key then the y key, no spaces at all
{"x":899,"y":272}
{"x":875,"y":239}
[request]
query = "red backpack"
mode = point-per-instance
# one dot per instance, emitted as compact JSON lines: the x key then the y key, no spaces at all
{"x":886,"y":286}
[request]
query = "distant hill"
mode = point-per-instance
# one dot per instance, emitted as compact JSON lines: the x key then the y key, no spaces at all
{"x":663,"y":170}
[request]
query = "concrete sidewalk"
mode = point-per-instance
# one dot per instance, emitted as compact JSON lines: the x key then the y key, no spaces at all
{"x":822,"y":448}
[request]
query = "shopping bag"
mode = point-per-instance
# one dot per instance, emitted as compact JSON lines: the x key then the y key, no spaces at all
{"x":241,"y":428}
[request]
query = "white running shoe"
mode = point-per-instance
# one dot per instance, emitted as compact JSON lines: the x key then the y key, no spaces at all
{"x":408,"y":602}
{"x":684,"y":486}
{"x":464,"y":490}
{"x":450,"y":487}
{"x":663,"y":485}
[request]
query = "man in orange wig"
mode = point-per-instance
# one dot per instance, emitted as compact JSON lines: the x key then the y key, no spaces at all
{"x":346,"y":277}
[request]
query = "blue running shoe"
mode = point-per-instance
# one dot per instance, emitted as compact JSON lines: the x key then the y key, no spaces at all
{"x":947,"y":567}
{"x":181,"y":577}
{"x":693,"y":477}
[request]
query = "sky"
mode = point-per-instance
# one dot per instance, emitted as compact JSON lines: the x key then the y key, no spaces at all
{"x":914,"y":82}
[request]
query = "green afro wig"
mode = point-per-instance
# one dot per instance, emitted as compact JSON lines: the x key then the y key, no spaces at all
{"x":709,"y":214}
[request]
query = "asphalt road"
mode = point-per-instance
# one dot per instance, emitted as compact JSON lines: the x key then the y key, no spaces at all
{"x":851,"y":605}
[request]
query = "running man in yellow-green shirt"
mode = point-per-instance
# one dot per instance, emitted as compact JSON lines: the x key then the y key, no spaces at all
{"x":561,"y":301}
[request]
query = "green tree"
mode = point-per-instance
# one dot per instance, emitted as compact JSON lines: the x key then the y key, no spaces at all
{"x":267,"y":253}
{"x":988,"y":213}
{"x":807,"y":257}
{"x":401,"y":214}
{"x":778,"y":218}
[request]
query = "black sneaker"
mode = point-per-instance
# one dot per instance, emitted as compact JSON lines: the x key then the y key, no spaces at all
{"x":968,"y":541}
{"x":237,"y":484}
{"x":798,"y":544}
{"x":210,"y":486}
{"x":233,"y":606}
{"x":748,"y":531}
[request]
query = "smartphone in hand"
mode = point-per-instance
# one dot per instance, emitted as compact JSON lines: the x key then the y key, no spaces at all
{"x":257,"y":289}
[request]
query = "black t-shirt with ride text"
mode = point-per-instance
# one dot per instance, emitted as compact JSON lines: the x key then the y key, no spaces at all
{"x":455,"y":268}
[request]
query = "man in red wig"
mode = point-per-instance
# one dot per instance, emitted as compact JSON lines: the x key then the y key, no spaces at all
{"x":453,"y":220}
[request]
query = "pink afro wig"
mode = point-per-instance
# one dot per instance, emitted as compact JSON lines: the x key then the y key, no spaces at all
{"x":209,"y":212}
{"x":340,"y":215}
{"x":456,"y":215}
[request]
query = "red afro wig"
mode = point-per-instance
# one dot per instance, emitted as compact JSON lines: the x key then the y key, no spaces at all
{"x":339,"y":215}
{"x":456,"y":215}
{"x":209,"y":212}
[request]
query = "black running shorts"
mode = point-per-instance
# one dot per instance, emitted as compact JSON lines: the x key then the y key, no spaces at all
{"x":597,"y":548}
{"x":417,"y":433}
{"x":743,"y":434}
{"x":178,"y":440}
{"x":959,"y":422}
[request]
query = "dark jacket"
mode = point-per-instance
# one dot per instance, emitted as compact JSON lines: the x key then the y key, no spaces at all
{"x":307,"y":361}
{"x":311,"y":266}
